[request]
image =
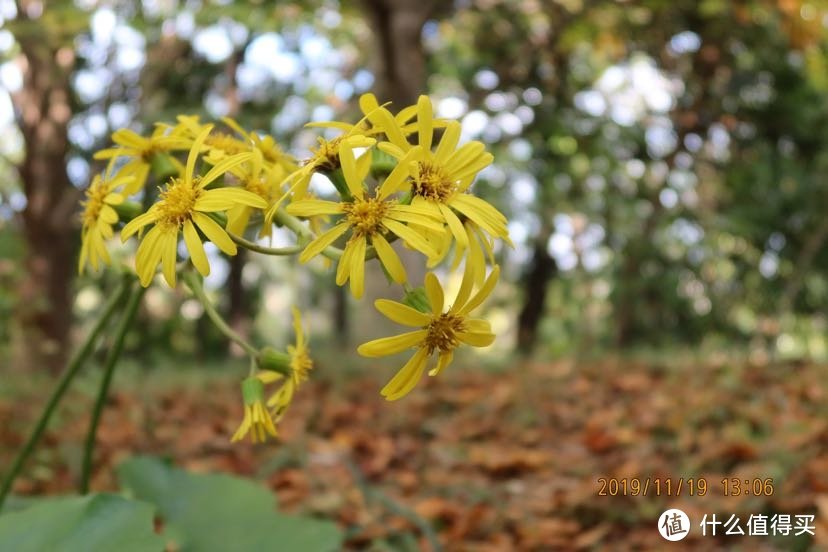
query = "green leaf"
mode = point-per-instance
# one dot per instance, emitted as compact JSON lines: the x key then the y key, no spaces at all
{"x":92,"y":523}
{"x":206,"y":512}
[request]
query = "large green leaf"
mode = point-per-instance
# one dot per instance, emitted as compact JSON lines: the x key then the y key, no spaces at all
{"x":206,"y":512}
{"x":85,"y":524}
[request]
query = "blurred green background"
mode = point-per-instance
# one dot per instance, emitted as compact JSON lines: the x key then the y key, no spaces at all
{"x":662,"y":163}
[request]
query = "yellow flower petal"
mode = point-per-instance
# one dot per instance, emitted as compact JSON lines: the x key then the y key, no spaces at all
{"x":148,"y":255}
{"x":389,"y":258}
{"x":313,"y":207}
{"x":444,"y":360}
{"x":349,"y":170}
{"x":455,"y":225}
{"x":318,"y":245}
{"x":222,"y":167}
{"x":476,"y":339}
{"x":196,"y":249}
{"x":392,"y":345}
{"x":415,"y":239}
{"x":169,"y":244}
{"x":137,"y":223}
{"x":402,"y":314}
{"x":448,"y":142}
{"x":482,"y":293}
{"x":407,"y":377}
{"x":357,"y":262}
{"x":194,"y":151}
{"x":424,"y":122}
{"x":214,"y":233}
{"x":343,"y":269}
{"x":434,"y":292}
{"x":222,"y":199}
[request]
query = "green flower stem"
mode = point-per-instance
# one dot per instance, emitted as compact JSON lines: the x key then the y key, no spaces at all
{"x":112,"y":356}
{"x":193,"y":280}
{"x":252,"y":246}
{"x":71,"y":371}
{"x":303,"y":232}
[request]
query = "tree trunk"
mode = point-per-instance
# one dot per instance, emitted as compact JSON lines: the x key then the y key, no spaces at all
{"x":43,"y":109}
{"x":535,"y":285}
{"x":400,"y":65}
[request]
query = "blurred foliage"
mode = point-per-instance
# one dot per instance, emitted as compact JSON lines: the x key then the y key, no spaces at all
{"x":231,"y":512}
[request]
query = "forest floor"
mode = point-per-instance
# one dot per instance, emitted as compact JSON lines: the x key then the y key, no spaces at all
{"x":492,"y":460}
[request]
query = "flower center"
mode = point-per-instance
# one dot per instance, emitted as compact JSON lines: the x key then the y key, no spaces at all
{"x":365,"y":215}
{"x":177,"y":201}
{"x":442,"y":332}
{"x":95,"y":196}
{"x":271,"y":151}
{"x":300,"y":363}
{"x":258,"y":186}
{"x":432,"y":182}
{"x":326,"y":156}
{"x":226,"y":143}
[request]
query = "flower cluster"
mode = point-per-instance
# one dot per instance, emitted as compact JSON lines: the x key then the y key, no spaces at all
{"x":401,"y":177}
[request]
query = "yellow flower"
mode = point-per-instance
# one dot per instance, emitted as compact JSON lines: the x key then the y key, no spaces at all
{"x":257,"y":420}
{"x":369,"y":219}
{"x":98,"y":217}
{"x":218,"y":145}
{"x":300,"y":365}
{"x":141,"y":150}
{"x":440,"y":332}
{"x":266,"y":144}
{"x":261,"y":179}
{"x":183,"y":206}
{"x":439,"y":180}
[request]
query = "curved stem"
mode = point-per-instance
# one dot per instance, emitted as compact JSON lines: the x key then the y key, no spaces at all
{"x":109,"y":368}
{"x":193,"y":280}
{"x":252,"y":246}
{"x":71,"y":370}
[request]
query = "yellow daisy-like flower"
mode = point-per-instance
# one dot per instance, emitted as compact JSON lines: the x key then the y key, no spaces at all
{"x":259,"y":178}
{"x":300,"y":364}
{"x":439,"y":180}
{"x":183,"y":205}
{"x":440,"y":332}
{"x":218,"y":145}
{"x":257,"y":420}
{"x":266,"y":144}
{"x":370,"y":219}
{"x":98,"y":217}
{"x":141,"y":150}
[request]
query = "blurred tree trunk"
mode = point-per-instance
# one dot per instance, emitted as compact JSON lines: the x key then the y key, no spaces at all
{"x":400,"y":64}
{"x":400,"y":68}
{"x":535,"y":285}
{"x":238,"y":308}
{"x":43,"y":108}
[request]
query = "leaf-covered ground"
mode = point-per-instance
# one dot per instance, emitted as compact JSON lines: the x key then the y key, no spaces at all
{"x":506,"y":460}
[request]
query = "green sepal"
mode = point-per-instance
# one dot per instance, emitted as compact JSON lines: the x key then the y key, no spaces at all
{"x":274,"y":361}
{"x":417,"y":299}
{"x":338,"y":180}
{"x":382,"y":163}
{"x":252,"y":391}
